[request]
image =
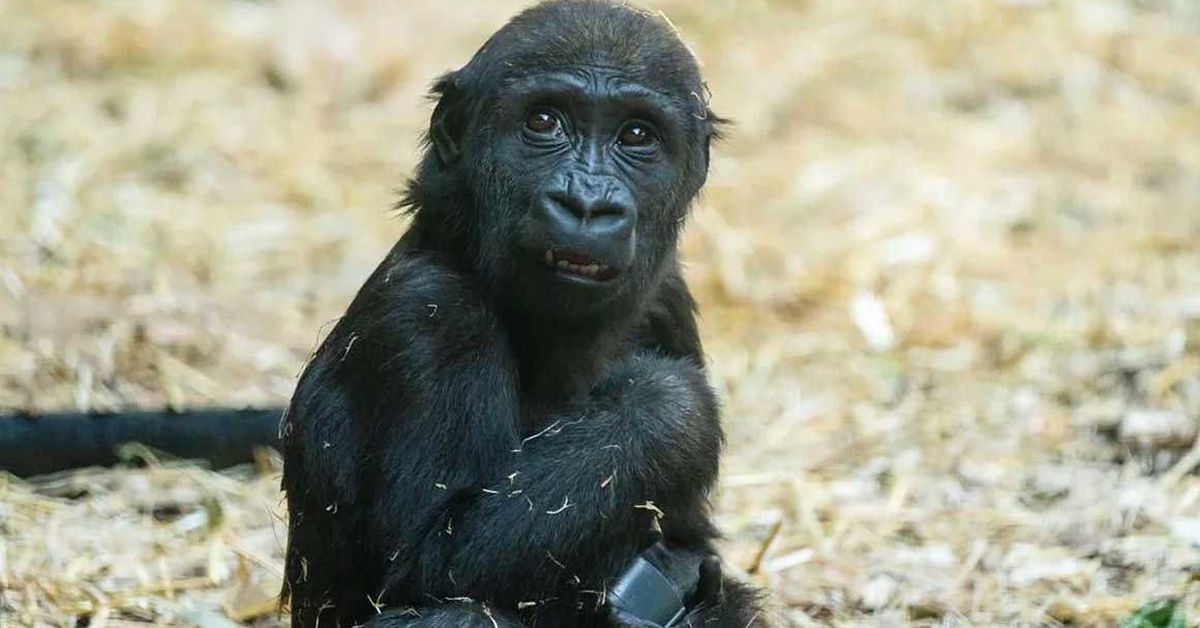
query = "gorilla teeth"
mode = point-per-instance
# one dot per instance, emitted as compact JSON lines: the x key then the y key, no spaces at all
{"x":592,"y":270}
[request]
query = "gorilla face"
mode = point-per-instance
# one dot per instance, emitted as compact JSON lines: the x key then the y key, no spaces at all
{"x":574,"y":157}
{"x":590,"y":163}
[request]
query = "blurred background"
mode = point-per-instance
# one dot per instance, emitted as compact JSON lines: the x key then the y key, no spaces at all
{"x":948,"y":264}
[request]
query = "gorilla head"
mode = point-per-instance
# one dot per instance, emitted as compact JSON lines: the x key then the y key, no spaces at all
{"x":563,"y":157}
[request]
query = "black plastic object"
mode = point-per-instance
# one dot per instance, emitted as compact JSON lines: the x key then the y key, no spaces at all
{"x":33,"y":444}
{"x":654,"y":589}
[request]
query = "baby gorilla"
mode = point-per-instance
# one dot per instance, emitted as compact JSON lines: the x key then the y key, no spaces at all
{"x":511,"y":425}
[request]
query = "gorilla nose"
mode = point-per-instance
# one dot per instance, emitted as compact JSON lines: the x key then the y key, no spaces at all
{"x":592,"y":208}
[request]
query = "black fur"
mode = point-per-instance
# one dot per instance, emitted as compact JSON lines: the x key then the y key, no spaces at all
{"x":482,"y":440}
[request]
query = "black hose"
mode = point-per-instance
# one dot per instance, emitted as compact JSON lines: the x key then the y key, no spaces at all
{"x":33,"y":444}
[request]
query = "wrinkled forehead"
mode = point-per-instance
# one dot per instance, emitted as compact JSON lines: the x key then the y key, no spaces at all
{"x":598,"y":74}
{"x":645,"y":53}
{"x":596,"y":84}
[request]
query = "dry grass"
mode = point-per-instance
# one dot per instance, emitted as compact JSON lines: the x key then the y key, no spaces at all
{"x":949,"y":267}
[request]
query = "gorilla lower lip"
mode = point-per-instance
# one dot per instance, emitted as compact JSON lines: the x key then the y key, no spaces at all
{"x":578,"y":264}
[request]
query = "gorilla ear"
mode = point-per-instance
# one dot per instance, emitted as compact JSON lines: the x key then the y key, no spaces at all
{"x":714,"y":125}
{"x":449,"y":120}
{"x":716,"y":132}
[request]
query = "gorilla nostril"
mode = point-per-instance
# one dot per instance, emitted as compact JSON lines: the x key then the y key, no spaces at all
{"x":568,"y":204}
{"x":583,"y":207}
{"x":608,"y":209}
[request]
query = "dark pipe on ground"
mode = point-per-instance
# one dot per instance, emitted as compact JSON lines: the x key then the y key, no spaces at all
{"x":33,"y":444}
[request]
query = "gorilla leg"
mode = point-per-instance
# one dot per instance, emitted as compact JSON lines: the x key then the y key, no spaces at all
{"x":738,"y":606}
{"x":466,"y":615}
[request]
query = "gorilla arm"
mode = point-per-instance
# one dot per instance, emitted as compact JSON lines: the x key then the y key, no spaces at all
{"x":410,"y":392}
{"x":577,"y":500}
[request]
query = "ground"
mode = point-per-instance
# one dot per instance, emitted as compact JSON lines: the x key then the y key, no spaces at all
{"x":948,"y":263}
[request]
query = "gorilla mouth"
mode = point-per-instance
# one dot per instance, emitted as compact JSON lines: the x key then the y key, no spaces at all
{"x":578,"y":265}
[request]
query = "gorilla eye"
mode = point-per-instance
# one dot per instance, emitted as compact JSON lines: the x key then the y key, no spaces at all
{"x":542,"y":121}
{"x":636,"y":134}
